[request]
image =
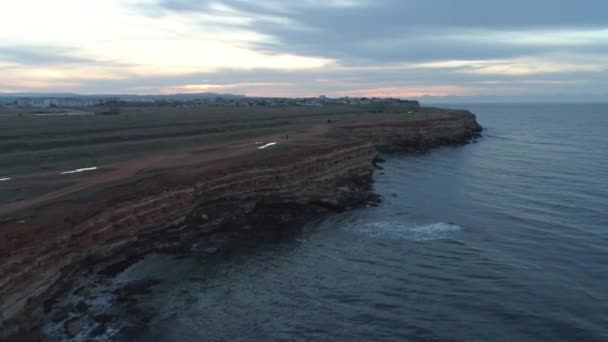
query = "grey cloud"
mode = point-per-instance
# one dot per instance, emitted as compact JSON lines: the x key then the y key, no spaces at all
{"x":386,"y":14}
{"x":39,"y":55}
{"x":411,"y":30}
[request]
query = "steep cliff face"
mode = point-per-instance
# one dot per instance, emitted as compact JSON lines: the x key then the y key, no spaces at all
{"x":260,"y":193}
{"x":420,"y":133}
{"x":167,"y":210}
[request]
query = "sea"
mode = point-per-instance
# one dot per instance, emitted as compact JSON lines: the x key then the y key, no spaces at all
{"x":505,"y":239}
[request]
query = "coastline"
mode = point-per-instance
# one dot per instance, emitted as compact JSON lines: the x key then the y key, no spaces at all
{"x":106,"y":221}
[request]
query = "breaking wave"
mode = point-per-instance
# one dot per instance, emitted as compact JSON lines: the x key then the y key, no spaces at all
{"x":399,"y":230}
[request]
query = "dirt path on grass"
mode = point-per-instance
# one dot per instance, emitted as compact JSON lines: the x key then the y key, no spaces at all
{"x":121,"y":171}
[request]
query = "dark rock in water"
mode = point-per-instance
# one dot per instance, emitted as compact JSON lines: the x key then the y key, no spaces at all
{"x":374,"y":200}
{"x":72,"y":328}
{"x":121,"y":265}
{"x":394,"y":195}
{"x":378,"y":160}
{"x":98,"y":330}
{"x":146,"y":317}
{"x":82,"y":307}
{"x":136,"y":287}
{"x":104,"y":318}
{"x":62,"y":314}
{"x":79,"y":291}
{"x":130,"y":333}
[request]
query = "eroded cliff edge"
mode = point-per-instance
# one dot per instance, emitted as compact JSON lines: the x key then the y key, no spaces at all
{"x":101,"y":226}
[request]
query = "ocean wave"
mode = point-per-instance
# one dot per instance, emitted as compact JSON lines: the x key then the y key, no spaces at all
{"x":399,"y":230}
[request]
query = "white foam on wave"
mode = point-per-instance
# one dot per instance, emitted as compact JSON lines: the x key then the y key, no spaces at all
{"x":267,"y":145}
{"x":398,"y":230}
{"x":80,"y":170}
{"x":5,"y":179}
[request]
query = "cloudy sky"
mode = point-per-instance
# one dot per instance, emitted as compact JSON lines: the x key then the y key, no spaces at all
{"x":475,"y":49}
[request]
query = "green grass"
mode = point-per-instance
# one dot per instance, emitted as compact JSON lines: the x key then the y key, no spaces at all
{"x":35,"y":143}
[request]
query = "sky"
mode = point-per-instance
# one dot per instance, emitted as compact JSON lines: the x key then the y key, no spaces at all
{"x":515,"y":50}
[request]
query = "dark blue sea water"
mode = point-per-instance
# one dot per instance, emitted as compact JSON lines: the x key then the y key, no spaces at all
{"x":503,"y":240}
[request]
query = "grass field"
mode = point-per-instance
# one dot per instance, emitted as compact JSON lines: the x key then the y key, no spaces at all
{"x":30,"y":143}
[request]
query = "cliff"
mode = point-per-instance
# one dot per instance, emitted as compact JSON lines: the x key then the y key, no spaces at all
{"x":103,"y":223}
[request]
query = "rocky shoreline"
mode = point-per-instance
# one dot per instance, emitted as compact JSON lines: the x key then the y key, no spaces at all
{"x":59,"y":264}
